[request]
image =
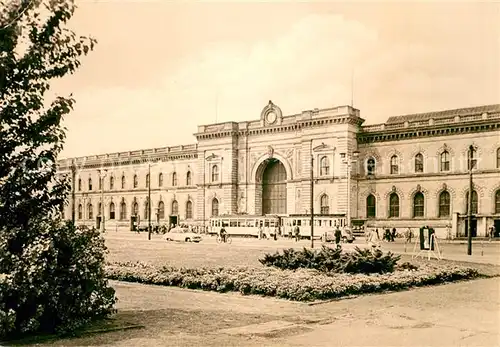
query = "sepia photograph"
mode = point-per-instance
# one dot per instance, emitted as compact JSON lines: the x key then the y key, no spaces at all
{"x":249,"y":173}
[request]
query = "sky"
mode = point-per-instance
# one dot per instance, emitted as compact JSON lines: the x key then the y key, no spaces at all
{"x":162,"y":68}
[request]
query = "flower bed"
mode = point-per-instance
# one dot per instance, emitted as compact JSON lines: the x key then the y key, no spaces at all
{"x":298,"y":285}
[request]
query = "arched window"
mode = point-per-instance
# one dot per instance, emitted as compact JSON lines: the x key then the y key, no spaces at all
{"x":215,"y":173}
{"x":161,"y":210}
{"x":123,"y":182}
{"x":123,"y":210}
{"x":174,"y":179}
{"x":79,"y":184}
{"x":497,"y":202}
{"x":146,"y":209}
{"x":371,"y":206}
{"x":90,"y":212}
{"x":135,"y":209}
{"x":111,"y":183}
{"x":160,"y":180}
{"x":325,"y":208}
{"x":419,"y":163}
{"x":474,"y":202}
{"x":370,"y":166}
{"x":472,"y":159}
{"x":215,"y":207}
{"x":111,"y":211}
{"x":445,"y":161}
{"x":136,"y":181}
{"x":324,"y":168}
{"x":189,"y":210}
{"x":394,"y":165}
{"x":175,"y":208}
{"x":147,"y":180}
{"x":444,"y":204}
{"x":498,"y":158}
{"x":393,"y":205}
{"x":80,"y":211}
{"x":100,"y":183}
{"x":90,"y":183}
{"x":188,"y":178}
{"x":418,"y":205}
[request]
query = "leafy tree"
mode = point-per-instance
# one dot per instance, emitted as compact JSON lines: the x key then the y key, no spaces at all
{"x":51,"y":275}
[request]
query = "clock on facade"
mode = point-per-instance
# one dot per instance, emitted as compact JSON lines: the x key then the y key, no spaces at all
{"x":271,"y":117}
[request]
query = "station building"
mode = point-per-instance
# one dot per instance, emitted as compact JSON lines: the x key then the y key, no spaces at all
{"x":411,"y":171}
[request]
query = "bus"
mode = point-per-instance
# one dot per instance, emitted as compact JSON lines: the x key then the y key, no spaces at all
{"x":244,"y":225}
{"x":322,"y":224}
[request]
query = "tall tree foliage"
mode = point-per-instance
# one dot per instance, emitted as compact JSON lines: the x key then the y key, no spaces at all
{"x":51,"y":275}
{"x":34,"y":49}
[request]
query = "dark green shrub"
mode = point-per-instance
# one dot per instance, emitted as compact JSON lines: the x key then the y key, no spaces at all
{"x":56,"y":284}
{"x":328,"y":259}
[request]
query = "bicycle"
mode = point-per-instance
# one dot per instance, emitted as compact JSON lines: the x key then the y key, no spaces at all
{"x":228,"y":239}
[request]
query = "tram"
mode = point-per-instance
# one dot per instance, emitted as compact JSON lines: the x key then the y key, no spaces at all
{"x":322,"y":224}
{"x":248,"y":226}
{"x":243,"y":225}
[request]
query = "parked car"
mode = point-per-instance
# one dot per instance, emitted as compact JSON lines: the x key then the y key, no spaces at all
{"x":182,"y":234}
{"x":347,"y":235}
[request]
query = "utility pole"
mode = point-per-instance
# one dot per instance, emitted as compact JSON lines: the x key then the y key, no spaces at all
{"x":149,"y":201}
{"x":312,"y":198}
{"x":469,"y":234}
{"x":73,"y":183}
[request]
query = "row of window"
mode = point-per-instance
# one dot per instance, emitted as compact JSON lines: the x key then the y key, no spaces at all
{"x":174,"y":209}
{"x":444,"y":162}
{"x":189,"y":180}
{"x":419,"y":204}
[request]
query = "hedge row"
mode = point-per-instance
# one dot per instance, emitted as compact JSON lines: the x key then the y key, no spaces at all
{"x":298,"y":285}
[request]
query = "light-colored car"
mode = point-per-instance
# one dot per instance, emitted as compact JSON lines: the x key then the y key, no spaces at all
{"x":182,"y":234}
{"x":347,"y":235}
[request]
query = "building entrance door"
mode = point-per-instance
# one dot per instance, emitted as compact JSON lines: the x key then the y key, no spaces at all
{"x":473,"y":228}
{"x":274,"y":188}
{"x":496,"y":232}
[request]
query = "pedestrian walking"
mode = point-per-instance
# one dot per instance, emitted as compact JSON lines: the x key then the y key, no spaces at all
{"x":297,"y":233}
{"x":338,"y":235}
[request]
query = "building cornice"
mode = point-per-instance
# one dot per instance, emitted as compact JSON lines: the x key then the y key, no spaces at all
{"x":429,"y":175}
{"x":163,"y":154}
{"x":406,"y":133}
{"x":293,"y":123}
{"x":443,"y":123}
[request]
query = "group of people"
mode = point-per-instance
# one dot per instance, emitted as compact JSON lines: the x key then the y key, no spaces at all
{"x":373,"y":236}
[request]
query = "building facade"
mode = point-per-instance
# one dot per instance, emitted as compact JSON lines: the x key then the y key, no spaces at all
{"x":408,"y":172}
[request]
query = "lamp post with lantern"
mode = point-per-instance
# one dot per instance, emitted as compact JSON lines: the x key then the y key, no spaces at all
{"x":102,"y":175}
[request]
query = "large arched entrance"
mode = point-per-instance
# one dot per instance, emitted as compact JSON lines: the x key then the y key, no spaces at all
{"x":274,"y":187}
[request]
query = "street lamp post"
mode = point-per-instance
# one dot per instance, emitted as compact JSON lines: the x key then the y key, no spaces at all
{"x":469,"y":234}
{"x":312,"y":199}
{"x":346,"y":159}
{"x":73,"y":198}
{"x":101,"y":177}
{"x":149,"y":201}
{"x":85,"y":208}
